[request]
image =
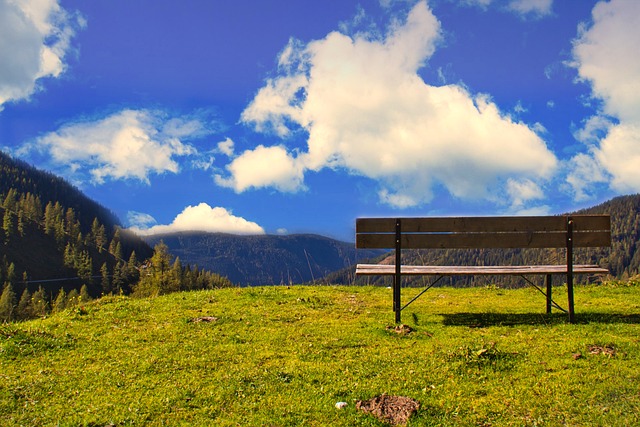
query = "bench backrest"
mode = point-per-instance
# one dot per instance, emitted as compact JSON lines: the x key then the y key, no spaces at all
{"x":484,"y":232}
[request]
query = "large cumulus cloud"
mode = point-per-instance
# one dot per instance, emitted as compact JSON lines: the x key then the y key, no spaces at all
{"x":366,"y":110}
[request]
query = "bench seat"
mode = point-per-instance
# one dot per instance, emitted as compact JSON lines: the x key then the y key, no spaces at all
{"x":487,"y":270}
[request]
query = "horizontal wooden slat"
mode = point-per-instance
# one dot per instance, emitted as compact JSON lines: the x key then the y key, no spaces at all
{"x":592,"y":239}
{"x":591,"y":222}
{"x":482,"y":224}
{"x":482,"y":240}
{"x":411,"y":270}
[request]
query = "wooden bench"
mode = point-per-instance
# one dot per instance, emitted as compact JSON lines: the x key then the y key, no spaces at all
{"x":567,"y":231}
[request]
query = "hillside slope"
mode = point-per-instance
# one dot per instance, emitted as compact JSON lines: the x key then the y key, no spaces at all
{"x":52,"y":231}
{"x":264,"y":259}
{"x":285,"y":355}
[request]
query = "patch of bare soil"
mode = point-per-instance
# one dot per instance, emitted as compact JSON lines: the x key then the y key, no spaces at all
{"x":607,"y":350}
{"x":400,"y":329}
{"x":203,"y":319}
{"x":395,"y":410}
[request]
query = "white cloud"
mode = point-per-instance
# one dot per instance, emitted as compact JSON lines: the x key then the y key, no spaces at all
{"x":367,"y":111}
{"x":523,"y":191}
{"x":200,"y":218}
{"x":481,"y":3}
{"x":619,"y":154}
{"x":35,"y":36}
{"x":226,"y":147}
{"x":584,"y":172}
{"x":264,"y":167}
{"x":538,"y":8}
{"x":594,"y":129}
{"x":140,"y":220}
{"x":129,"y":144}
{"x":524,"y":8}
{"x":605,"y":55}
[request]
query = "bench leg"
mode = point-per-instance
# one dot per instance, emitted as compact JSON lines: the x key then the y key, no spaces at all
{"x":397,"y":302}
{"x":397,"y":278}
{"x":572,"y":313}
{"x":570,"y":269}
{"x":549,"y":288}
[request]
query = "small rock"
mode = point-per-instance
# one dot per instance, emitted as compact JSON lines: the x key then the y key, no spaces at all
{"x":341,"y":405}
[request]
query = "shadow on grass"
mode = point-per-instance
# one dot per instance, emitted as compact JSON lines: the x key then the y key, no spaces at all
{"x":481,"y":320}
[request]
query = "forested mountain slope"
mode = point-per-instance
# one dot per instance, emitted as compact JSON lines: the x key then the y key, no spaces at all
{"x":52,"y":231}
{"x":58,"y":247}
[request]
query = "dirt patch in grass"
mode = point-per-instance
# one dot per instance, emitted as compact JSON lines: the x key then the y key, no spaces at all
{"x":395,"y":410}
{"x":206,"y":319}
{"x":400,"y":329}
{"x":607,"y":350}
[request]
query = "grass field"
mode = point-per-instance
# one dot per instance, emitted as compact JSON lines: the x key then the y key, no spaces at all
{"x":283,"y":356}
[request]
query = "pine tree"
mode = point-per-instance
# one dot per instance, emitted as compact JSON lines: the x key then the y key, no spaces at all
{"x":49,"y":219}
{"x":85,"y":266}
{"x":23,"y":312}
{"x":84,"y":294}
{"x":132,"y":274}
{"x":8,"y":225}
{"x":10,"y":200}
{"x":160,"y":265}
{"x":175,"y":278}
{"x":21,"y":223}
{"x":54,"y":221}
{"x":98,"y":235}
{"x":115,"y":246}
{"x":105,"y":282}
{"x":69,"y":258}
{"x":118,"y":282}
{"x":72,"y":225}
{"x":39,"y":303}
{"x":7,"y":303}
{"x":10,"y":275}
{"x":73,"y":298}
{"x":61,"y":301}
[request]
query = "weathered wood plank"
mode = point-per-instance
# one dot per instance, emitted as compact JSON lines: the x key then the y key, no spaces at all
{"x":591,"y":222}
{"x":517,"y":270}
{"x":482,"y":240}
{"x":482,"y":224}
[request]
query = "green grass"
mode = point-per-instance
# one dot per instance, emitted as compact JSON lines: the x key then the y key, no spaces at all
{"x":283,"y":356}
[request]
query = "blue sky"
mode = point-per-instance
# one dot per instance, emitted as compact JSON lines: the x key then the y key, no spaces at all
{"x":299,"y":116}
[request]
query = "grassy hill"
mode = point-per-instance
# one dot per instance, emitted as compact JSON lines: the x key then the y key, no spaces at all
{"x":283,"y":356}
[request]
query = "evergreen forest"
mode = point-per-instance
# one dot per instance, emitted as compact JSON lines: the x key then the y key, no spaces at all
{"x":60,"y":249}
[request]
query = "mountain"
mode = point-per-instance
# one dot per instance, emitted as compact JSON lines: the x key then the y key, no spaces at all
{"x":622,"y":259}
{"x":263,"y":259}
{"x":53,"y":236}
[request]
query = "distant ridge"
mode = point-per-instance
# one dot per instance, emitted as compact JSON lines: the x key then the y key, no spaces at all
{"x":262,"y":259}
